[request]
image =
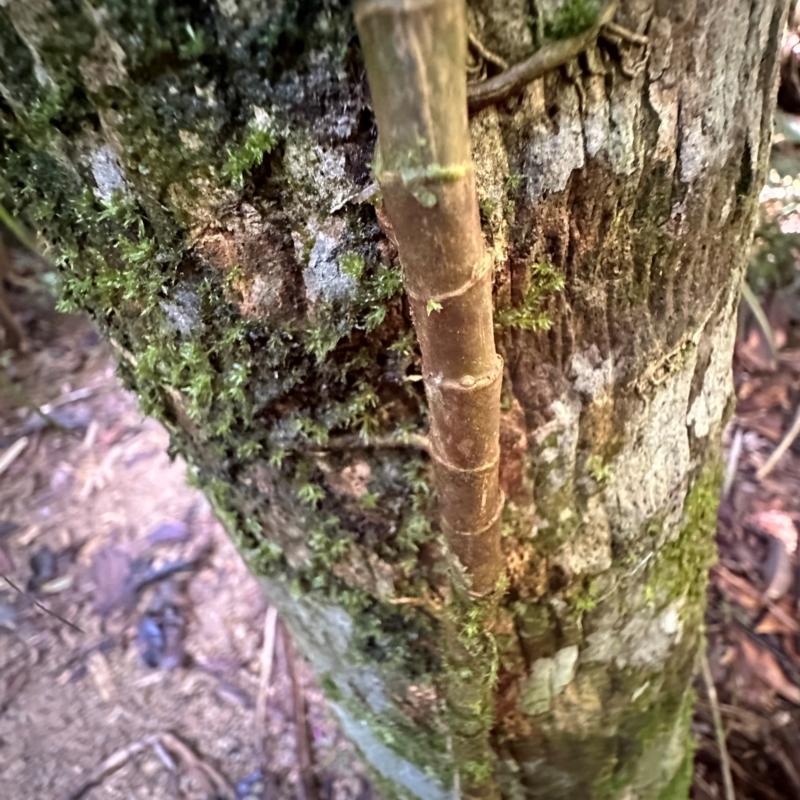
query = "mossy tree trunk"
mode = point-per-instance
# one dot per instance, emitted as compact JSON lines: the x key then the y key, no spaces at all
{"x":198,"y":171}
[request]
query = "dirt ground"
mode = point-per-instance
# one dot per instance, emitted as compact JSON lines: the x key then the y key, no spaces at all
{"x":98,"y":526}
{"x":164,"y":673}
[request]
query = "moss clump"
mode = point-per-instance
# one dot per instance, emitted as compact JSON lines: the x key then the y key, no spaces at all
{"x":680,"y":569}
{"x":572,"y":19}
{"x":544,"y":281}
{"x":250,"y":153}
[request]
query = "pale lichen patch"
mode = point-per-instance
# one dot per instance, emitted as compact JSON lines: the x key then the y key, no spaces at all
{"x":588,"y":551}
{"x":548,"y":678}
{"x":323,"y":275}
{"x":108,"y":173}
{"x":708,"y":407}
{"x":645,"y":640}
{"x":649,"y":475}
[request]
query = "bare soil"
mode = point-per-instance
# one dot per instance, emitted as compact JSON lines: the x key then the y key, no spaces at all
{"x":156,"y":660}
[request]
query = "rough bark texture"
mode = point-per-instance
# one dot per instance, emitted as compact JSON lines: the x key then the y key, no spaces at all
{"x":196,"y":168}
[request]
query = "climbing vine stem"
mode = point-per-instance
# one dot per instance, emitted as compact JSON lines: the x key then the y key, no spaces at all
{"x":415,"y":52}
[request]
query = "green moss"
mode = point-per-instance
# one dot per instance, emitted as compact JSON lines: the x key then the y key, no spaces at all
{"x":572,"y":18}
{"x":257,"y":143}
{"x":598,"y":469}
{"x":680,"y":569}
{"x":352,"y":264}
{"x":544,"y":281}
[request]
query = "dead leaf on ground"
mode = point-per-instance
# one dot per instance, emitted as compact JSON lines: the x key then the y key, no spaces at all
{"x":764,"y":666}
{"x":779,"y":619}
{"x":736,"y":589}
{"x":110,"y":571}
{"x":777,"y":524}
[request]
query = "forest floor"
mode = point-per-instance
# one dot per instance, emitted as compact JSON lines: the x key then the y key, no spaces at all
{"x":150,"y":682}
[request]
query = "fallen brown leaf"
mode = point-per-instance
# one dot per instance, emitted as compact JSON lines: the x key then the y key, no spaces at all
{"x":764,"y":666}
{"x":736,"y":589}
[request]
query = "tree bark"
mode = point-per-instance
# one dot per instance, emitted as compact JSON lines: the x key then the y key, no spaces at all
{"x":199,"y":173}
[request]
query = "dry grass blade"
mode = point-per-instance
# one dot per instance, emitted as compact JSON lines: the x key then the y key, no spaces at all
{"x":777,"y":454}
{"x":267,"y":658}
{"x":752,"y":303}
{"x":13,"y":452}
{"x":41,"y":606}
{"x":719,"y":730}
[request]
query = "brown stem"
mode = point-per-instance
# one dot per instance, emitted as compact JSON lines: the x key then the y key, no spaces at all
{"x":415,"y":52}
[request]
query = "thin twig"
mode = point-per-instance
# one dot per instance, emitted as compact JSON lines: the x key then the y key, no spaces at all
{"x":115,"y":761}
{"x":13,"y":452}
{"x":785,"y":444}
{"x":187,"y":755}
{"x":485,"y":53}
{"x":734,"y":454}
{"x":413,"y":440}
{"x":307,"y":788}
{"x":41,"y":605}
{"x":724,"y":759}
{"x":84,"y":393}
{"x":761,"y":318}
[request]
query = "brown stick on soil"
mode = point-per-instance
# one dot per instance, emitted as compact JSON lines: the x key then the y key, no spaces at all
{"x":415,"y":52}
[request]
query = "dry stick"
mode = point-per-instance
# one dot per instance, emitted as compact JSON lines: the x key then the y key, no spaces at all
{"x":724,"y":760}
{"x":41,"y":605}
{"x":785,"y":444}
{"x":547,"y":58}
{"x":415,"y":52}
{"x":267,"y":657}
{"x":222,"y":785}
{"x":307,"y":785}
{"x":10,"y":456}
{"x":115,"y":761}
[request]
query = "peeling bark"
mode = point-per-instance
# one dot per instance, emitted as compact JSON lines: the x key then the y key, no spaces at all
{"x":197,"y":171}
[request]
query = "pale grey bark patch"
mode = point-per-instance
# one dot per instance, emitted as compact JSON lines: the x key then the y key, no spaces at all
{"x":648,"y":477}
{"x":182,"y":311}
{"x":317,"y":173}
{"x":592,"y":375}
{"x":645,"y":640}
{"x":548,"y":678}
{"x":323,"y":277}
{"x":707,"y":410}
{"x":588,"y":551}
{"x":558,"y":441}
{"x":108,"y":173}
{"x":555,"y":148}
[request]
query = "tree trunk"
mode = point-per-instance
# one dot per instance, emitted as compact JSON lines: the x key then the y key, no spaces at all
{"x":198,"y":170}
